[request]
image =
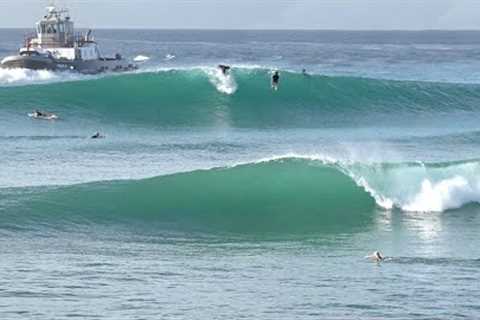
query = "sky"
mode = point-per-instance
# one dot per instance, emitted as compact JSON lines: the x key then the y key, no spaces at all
{"x":254,"y":14}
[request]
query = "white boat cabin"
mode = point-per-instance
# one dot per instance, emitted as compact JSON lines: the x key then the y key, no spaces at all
{"x":56,"y":36}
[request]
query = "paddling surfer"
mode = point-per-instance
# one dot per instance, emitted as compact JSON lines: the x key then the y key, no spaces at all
{"x":97,"y":135}
{"x":376,"y":257}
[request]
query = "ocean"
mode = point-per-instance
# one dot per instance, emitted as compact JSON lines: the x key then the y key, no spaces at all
{"x":216,"y":197}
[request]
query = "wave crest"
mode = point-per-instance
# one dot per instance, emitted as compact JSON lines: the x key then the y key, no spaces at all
{"x":196,"y":97}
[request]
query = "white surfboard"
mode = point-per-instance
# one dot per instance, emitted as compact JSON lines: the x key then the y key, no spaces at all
{"x":45,"y":116}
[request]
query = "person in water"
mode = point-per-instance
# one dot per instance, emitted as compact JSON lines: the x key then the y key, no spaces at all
{"x":225,"y":69}
{"x":305,"y":73}
{"x":96,"y":135}
{"x":275,"y":80}
{"x":37,"y":113}
{"x":376,"y":256}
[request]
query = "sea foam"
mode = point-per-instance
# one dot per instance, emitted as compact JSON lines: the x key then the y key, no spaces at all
{"x":223,"y":83}
{"x":141,"y":58}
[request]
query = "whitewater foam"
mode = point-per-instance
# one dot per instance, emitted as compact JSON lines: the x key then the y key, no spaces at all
{"x":447,"y":194}
{"x":11,"y":76}
{"x":419,"y":187}
{"x":223,"y":83}
{"x":141,"y":58}
{"x":19,"y":77}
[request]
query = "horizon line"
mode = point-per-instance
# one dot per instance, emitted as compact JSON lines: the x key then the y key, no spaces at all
{"x":259,"y":29}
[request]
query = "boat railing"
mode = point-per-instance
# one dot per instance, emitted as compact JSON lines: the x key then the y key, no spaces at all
{"x":82,"y":39}
{"x":27,"y":39}
{"x":78,"y":38}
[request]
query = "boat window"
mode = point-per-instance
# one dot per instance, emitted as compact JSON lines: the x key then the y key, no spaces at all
{"x":51,"y":28}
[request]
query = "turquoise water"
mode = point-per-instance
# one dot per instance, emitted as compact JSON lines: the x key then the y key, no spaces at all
{"x":215,"y":197}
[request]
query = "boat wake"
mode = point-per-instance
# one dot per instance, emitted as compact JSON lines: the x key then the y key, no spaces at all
{"x":29,"y":77}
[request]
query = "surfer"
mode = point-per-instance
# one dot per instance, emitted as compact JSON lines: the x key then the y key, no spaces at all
{"x":97,"y":135}
{"x":225,"y":69}
{"x":43,"y":115}
{"x":376,"y":257}
{"x":275,"y":80}
{"x":305,"y":73}
{"x":38,"y":113}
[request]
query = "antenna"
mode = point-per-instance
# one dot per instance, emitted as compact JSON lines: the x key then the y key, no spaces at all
{"x":51,"y":6}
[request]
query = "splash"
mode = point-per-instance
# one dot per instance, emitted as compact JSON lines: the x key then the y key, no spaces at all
{"x":419,"y":187}
{"x":451,"y":193}
{"x":10,"y":76}
{"x":224,"y":83}
{"x":21,"y":77}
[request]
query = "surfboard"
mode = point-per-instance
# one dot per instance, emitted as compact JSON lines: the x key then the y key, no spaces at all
{"x":48,"y":116}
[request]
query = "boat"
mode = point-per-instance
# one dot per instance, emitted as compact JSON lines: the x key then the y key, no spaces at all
{"x":57,"y":47}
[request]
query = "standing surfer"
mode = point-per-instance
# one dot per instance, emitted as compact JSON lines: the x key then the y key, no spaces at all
{"x":275,"y":80}
{"x":225,"y":69}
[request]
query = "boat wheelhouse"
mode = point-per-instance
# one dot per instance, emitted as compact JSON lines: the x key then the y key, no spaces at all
{"x":56,"y":46}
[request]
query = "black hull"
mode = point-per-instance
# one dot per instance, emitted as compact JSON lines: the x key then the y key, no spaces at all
{"x":26,"y":62}
{"x":86,"y":67}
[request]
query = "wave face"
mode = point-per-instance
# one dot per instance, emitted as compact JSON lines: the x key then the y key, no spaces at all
{"x":292,"y":195}
{"x":287,"y":195}
{"x":203,"y":96}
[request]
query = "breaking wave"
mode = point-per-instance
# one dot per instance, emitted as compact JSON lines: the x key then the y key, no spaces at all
{"x":285,"y":194}
{"x":204,"y":96}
